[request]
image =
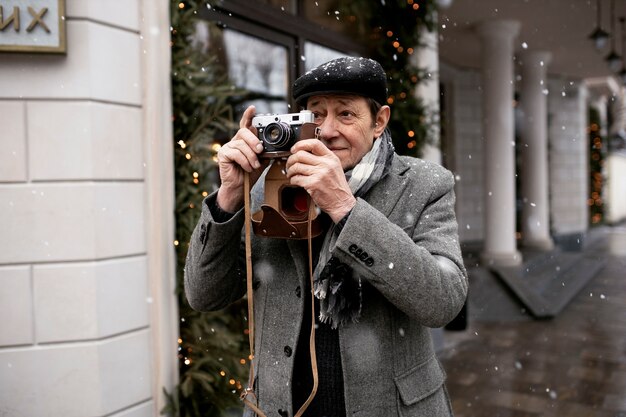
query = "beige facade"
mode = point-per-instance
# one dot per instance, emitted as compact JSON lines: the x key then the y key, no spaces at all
{"x":86,"y":260}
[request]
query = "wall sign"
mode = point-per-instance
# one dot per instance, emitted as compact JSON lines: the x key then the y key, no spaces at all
{"x":34,"y":26}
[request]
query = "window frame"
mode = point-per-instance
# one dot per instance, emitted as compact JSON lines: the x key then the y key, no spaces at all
{"x":280,"y":27}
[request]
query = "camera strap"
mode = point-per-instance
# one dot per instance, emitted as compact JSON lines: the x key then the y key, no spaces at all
{"x":249,"y":390}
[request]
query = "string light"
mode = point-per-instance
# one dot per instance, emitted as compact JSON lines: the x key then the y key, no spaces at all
{"x":595,"y":201}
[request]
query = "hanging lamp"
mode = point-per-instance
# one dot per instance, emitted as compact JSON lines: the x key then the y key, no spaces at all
{"x":613,"y":59}
{"x":599,"y":36}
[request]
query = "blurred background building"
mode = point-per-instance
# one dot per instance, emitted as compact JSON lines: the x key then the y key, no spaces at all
{"x":531,"y":116}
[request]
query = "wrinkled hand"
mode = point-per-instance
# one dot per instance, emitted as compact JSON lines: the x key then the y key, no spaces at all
{"x":237,"y":156}
{"x":318,"y":170}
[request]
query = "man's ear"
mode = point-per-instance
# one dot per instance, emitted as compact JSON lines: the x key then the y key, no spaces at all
{"x":382,"y":119}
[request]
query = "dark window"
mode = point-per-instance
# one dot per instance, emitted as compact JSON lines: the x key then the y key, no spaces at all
{"x":267,"y":44}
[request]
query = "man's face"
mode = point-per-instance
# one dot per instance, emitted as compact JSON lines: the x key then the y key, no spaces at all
{"x":347,"y":126}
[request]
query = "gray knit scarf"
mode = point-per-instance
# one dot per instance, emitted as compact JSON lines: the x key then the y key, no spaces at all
{"x":339,"y":293}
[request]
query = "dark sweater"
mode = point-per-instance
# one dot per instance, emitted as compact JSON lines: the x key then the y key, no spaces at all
{"x":329,"y":400}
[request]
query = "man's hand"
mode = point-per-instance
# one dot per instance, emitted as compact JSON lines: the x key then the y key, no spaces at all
{"x":237,"y":156}
{"x":318,"y":170}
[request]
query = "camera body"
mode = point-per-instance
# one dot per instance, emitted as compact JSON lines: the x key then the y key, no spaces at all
{"x":279,"y":132}
{"x":287,"y":211}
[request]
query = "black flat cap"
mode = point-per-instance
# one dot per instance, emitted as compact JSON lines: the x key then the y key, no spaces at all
{"x":347,"y":75}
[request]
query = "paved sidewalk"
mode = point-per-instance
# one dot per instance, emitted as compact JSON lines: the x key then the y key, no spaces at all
{"x":572,"y":365}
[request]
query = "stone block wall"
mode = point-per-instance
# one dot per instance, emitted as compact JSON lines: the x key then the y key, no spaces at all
{"x":464,"y":148}
{"x":568,"y":158}
{"x":74,"y":282}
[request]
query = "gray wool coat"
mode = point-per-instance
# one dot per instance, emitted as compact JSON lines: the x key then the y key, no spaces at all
{"x":413,"y":279}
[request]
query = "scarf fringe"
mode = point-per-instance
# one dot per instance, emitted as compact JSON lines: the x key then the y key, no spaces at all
{"x":339,"y":293}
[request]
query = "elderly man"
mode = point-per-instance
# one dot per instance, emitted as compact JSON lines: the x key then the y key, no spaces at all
{"x":387,"y":266}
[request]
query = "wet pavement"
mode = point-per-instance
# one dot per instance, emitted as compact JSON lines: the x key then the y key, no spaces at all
{"x":572,"y":365}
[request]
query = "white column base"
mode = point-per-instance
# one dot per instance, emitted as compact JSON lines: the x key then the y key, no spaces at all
{"x":539,"y":244}
{"x":501,"y":258}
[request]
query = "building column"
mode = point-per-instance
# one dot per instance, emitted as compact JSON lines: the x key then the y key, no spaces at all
{"x":499,"y":167}
{"x":534,"y":151}
{"x":160,"y":198}
{"x":427,"y":56}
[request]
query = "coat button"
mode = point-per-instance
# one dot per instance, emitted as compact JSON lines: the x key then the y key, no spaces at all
{"x":288,"y":351}
{"x":298,"y":291}
{"x":282,"y":413}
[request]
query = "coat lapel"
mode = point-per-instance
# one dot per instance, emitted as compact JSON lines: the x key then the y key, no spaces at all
{"x":385,"y":195}
{"x":298,"y":249}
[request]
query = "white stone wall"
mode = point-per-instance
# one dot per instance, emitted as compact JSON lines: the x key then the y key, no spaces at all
{"x":568,"y":157}
{"x":465,"y":148}
{"x":74,"y":288}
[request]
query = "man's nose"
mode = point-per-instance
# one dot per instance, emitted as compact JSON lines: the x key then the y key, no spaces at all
{"x":327,"y":129}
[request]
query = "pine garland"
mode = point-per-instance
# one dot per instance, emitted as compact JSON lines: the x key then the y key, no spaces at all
{"x":597,"y":154}
{"x":393,"y":29}
{"x":213,"y":351}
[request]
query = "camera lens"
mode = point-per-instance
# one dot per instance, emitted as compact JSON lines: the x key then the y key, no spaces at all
{"x":277,"y":134}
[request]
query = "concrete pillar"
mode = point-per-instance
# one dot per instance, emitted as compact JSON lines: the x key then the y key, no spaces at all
{"x":427,"y":56}
{"x":499,"y":159}
{"x":534,"y":151}
{"x":160,"y":195}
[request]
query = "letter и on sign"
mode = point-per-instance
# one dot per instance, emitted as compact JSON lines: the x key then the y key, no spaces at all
{"x":33,"y":26}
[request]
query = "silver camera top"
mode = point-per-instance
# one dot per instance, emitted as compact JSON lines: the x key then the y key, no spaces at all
{"x":305,"y":116}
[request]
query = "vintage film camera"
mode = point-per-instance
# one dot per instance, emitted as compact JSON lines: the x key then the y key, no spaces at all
{"x":279,"y":132}
{"x":287,"y":209}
